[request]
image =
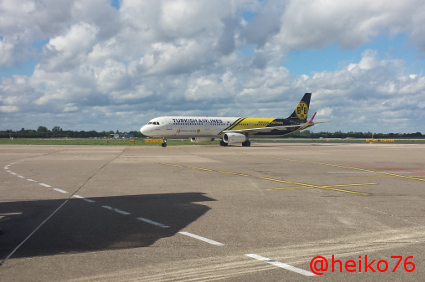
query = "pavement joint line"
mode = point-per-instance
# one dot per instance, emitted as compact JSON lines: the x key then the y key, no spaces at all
{"x":341,"y":166}
{"x":212,"y":242}
{"x":153,"y":222}
{"x":281,"y":265}
{"x":60,"y":190}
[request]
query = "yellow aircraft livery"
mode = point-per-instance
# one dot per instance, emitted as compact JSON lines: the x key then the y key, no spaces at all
{"x":230,"y":129}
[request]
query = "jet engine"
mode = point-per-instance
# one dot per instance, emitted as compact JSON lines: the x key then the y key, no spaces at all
{"x":231,"y":138}
{"x":201,"y":139}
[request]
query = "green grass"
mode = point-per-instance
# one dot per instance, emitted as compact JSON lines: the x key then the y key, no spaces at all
{"x":92,"y":141}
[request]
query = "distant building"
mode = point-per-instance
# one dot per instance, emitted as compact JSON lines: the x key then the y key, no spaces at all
{"x":125,"y":135}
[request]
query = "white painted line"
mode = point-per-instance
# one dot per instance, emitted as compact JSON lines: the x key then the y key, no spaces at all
{"x":6,"y":167}
{"x":122,"y":212}
{"x":282,"y":265}
{"x":13,"y":173}
{"x":20,"y":176}
{"x":8,"y":170}
{"x":45,"y":185}
{"x":116,"y":210}
{"x":60,"y":190}
{"x":212,"y":242}
{"x":83,"y":198}
{"x":153,"y":222}
{"x":29,"y":179}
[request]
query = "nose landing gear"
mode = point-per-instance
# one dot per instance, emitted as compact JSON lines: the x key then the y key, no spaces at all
{"x":164,"y":142}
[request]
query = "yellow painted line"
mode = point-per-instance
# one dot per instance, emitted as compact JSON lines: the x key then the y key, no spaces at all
{"x":342,"y":166}
{"x":347,"y":191}
{"x":235,"y":173}
{"x":289,"y":188}
{"x":345,"y":185}
{"x":290,"y":182}
{"x":371,"y":176}
{"x":329,"y":187}
{"x":201,"y":168}
{"x":171,"y":164}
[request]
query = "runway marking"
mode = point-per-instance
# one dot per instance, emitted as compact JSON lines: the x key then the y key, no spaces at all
{"x":289,"y":188}
{"x":212,"y":242}
{"x":45,"y":185}
{"x":329,"y":187}
{"x":116,"y":210}
{"x":341,"y":166}
{"x":235,"y":173}
{"x":201,"y":168}
{"x":20,"y":176}
{"x":13,"y":173}
{"x":281,"y":265}
{"x":153,"y":222}
{"x":83,"y":198}
{"x":60,"y":190}
{"x":32,"y":180}
{"x":172,"y":164}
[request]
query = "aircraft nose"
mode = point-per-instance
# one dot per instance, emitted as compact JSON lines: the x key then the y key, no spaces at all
{"x":143,"y":130}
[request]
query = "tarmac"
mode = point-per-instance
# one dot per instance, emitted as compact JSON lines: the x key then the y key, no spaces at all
{"x":212,"y":213}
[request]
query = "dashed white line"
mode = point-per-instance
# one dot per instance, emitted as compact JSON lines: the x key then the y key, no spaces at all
{"x":83,"y":198}
{"x":212,"y":242}
{"x":116,"y":210}
{"x":45,"y":185}
{"x":32,"y":180}
{"x":153,"y":222}
{"x":14,"y":173}
{"x":282,"y":265}
{"x":60,"y":190}
{"x":20,"y":176}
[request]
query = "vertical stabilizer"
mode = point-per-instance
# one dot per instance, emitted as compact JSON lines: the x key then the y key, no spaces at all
{"x":301,"y":111}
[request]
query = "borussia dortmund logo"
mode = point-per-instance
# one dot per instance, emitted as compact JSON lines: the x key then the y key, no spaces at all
{"x":302,"y":110}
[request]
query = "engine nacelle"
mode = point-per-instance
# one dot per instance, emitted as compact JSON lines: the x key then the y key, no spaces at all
{"x":231,"y":138}
{"x":201,"y":139}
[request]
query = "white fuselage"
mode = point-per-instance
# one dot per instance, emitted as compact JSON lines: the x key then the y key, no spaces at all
{"x":186,"y":127}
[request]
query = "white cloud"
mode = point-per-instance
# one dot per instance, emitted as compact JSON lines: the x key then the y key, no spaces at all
{"x":184,"y":57}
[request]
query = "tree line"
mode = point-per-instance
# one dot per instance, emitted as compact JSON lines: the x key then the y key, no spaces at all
{"x":57,"y":132}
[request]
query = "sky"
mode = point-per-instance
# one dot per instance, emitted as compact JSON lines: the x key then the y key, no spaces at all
{"x":114,"y":65}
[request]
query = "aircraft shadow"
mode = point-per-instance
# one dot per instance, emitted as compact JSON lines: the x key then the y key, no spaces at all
{"x":80,"y":226}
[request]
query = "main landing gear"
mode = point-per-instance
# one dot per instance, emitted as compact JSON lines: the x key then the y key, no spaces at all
{"x":164,"y":143}
{"x":222,"y":143}
{"x":246,"y":143}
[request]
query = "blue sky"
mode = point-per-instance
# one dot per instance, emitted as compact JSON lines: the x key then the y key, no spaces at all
{"x":104,"y":63}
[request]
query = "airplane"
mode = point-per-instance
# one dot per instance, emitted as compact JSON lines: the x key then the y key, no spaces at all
{"x":232,"y":130}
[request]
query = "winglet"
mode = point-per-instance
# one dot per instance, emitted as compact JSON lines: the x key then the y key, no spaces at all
{"x":311,"y":120}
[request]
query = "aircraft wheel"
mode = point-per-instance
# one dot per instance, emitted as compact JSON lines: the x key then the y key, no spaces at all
{"x":222,"y":143}
{"x":164,"y":144}
{"x":248,"y":143}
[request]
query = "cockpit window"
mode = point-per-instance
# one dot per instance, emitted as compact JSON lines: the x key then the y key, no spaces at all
{"x":149,"y":122}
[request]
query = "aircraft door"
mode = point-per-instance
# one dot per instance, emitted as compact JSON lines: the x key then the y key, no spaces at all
{"x":169,"y":124}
